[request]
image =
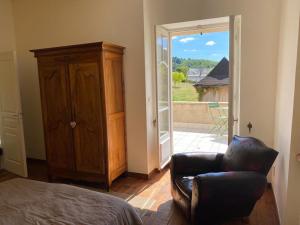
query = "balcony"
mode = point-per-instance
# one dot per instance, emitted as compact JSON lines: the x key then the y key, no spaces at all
{"x":200,"y":126}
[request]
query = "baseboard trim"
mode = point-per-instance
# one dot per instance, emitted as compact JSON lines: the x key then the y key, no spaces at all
{"x":270,"y":185}
{"x":35,"y":160}
{"x":137,"y":175}
{"x":143,"y":176}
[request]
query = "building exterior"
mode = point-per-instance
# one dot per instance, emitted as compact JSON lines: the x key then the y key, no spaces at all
{"x":214,"y":86}
{"x":196,"y":74}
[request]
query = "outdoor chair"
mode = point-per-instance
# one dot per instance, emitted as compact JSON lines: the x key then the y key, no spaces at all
{"x":219,"y":118}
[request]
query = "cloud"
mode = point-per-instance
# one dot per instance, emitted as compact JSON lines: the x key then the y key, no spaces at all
{"x":190,"y":50}
{"x":174,"y":37}
{"x":210,"y":43}
{"x":187,"y":39}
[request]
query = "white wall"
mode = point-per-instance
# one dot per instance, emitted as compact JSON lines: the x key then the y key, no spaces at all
{"x":259,"y":55}
{"x":287,"y":114}
{"x":41,"y":24}
{"x":7,"y":32}
{"x":293,"y":197}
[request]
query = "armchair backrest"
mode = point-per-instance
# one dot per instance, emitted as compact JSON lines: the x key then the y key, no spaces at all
{"x":248,"y":154}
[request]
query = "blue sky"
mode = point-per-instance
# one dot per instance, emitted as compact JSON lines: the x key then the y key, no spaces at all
{"x":213,"y":46}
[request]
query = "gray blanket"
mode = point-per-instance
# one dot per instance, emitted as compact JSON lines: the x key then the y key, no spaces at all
{"x":25,"y":201}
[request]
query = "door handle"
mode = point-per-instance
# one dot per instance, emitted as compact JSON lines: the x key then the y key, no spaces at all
{"x":73,"y":124}
{"x":154,"y":122}
{"x":235,"y":120}
{"x":298,"y":157}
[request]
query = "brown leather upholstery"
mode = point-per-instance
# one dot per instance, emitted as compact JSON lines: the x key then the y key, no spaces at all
{"x":248,"y":154}
{"x":185,"y":185}
{"x":190,"y":165}
{"x":203,"y":186}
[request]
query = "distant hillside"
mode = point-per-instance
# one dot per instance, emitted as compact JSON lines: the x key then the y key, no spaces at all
{"x":192,"y":63}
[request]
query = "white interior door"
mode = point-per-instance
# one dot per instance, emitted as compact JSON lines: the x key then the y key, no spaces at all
{"x":12,"y":136}
{"x":235,"y":73}
{"x":163,"y":95}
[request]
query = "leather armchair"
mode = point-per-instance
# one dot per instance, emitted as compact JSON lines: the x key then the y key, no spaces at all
{"x":211,"y":187}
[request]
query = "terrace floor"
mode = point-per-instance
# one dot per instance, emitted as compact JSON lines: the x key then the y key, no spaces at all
{"x":189,"y":139}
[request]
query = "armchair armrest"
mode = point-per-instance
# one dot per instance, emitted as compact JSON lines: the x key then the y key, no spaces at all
{"x":226,"y":193}
{"x":192,"y":164}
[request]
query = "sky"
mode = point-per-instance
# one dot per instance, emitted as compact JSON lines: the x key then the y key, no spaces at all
{"x":212,"y":46}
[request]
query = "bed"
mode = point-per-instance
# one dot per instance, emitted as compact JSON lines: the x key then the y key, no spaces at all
{"x":24,"y":201}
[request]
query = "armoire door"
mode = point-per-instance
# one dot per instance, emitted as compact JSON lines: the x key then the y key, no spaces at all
{"x":89,"y":144}
{"x":115,"y":110}
{"x":56,"y":114}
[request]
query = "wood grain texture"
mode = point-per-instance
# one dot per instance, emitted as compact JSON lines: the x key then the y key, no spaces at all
{"x":87,"y":110}
{"x":153,"y":200}
{"x":115,"y":111}
{"x":78,"y":49}
{"x":56,"y":113}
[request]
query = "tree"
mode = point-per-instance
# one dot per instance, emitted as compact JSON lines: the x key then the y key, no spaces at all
{"x":192,"y":63}
{"x":176,"y":61}
{"x":183,"y":69}
{"x":178,"y":77}
{"x":201,"y":92}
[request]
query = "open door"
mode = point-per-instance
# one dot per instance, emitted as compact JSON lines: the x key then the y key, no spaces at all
{"x":12,"y":137}
{"x":234,"y":73}
{"x":163,"y":95}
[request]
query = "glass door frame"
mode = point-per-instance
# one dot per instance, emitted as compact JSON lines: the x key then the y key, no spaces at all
{"x":234,"y":76}
{"x":165,"y":141}
{"x":234,"y":88}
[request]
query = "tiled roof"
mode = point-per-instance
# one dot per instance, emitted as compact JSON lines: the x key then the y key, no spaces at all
{"x":218,"y":76}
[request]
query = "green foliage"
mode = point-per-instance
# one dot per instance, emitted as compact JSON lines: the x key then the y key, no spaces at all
{"x":185,"y":92}
{"x":178,"y":77}
{"x":182,"y":69}
{"x":200,"y":92}
{"x":192,"y":63}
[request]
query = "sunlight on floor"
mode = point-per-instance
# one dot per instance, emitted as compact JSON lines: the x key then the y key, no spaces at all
{"x":199,"y":142}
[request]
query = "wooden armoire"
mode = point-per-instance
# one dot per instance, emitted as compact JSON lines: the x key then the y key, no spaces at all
{"x":83,"y":107}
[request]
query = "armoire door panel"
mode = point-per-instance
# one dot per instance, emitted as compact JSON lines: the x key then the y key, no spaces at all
{"x":116,"y":140}
{"x":114,"y":95}
{"x":56,"y":115}
{"x":113,"y":83}
{"x":89,"y":142}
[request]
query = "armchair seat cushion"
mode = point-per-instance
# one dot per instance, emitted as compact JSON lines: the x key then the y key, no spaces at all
{"x":185,"y":185}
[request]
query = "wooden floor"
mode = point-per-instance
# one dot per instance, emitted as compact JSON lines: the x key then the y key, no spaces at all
{"x":153,"y":200}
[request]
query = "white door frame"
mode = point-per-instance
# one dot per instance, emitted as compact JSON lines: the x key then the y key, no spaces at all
{"x":12,"y":134}
{"x":231,"y":79}
{"x":234,"y":29}
{"x":164,"y":142}
{"x":234,"y":76}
